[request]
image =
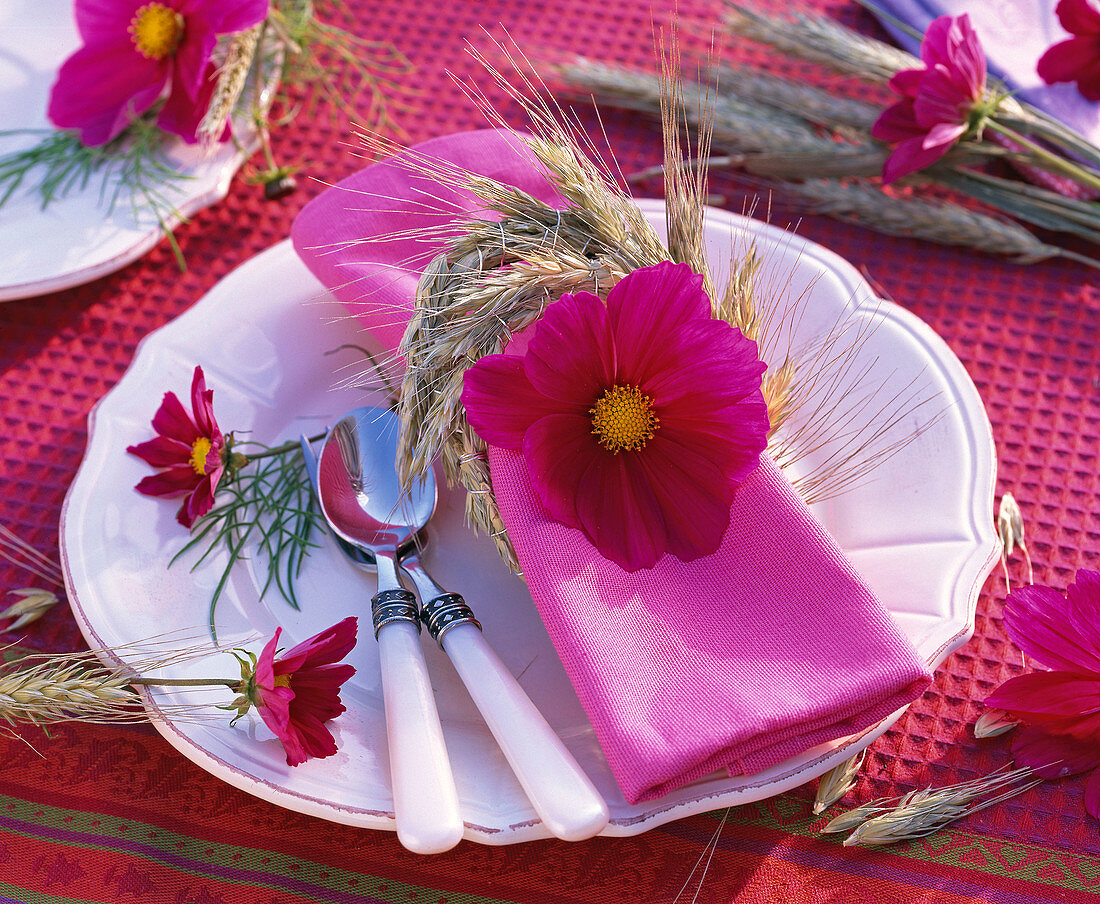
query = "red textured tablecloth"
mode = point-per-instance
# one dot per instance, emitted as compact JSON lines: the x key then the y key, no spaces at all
{"x":108,"y":813}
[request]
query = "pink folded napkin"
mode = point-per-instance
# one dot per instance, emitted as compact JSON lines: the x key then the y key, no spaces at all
{"x":736,"y":661}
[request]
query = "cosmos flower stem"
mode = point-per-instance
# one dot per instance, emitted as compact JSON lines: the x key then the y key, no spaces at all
{"x":1047,"y":159}
{"x":153,"y":681}
{"x":285,"y":447}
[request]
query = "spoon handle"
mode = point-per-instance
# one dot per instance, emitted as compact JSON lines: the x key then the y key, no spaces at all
{"x":558,"y":788}
{"x":425,"y":800}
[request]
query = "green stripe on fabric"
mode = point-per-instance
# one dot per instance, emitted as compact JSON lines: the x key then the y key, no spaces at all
{"x":228,"y":863}
{"x":951,"y":847}
{"x":30,"y":896}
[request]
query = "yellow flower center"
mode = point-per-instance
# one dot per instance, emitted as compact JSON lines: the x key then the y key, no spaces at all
{"x":156,"y":30}
{"x":282,"y":680}
{"x":623,"y":418}
{"x":200,"y":448}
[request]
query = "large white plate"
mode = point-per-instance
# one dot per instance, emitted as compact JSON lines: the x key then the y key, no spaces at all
{"x":921,"y":531}
{"x":83,"y":235}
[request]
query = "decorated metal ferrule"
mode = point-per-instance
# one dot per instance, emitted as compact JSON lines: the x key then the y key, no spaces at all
{"x":394,"y":606}
{"x":445,"y":612}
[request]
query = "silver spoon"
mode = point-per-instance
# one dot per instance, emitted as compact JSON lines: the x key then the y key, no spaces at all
{"x":365,"y":505}
{"x":558,"y":788}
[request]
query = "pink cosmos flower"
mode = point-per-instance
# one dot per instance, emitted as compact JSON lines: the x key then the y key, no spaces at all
{"x":192,"y":453}
{"x":637,"y":419}
{"x":132,"y":52}
{"x":298,"y":692}
{"x":940,"y":103}
{"x":1061,"y":707}
{"x":1076,"y":59}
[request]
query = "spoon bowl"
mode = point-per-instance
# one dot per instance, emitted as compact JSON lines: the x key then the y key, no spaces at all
{"x":362,"y":498}
{"x":365,"y":505}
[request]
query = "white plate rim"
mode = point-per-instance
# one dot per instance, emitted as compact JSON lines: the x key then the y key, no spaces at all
{"x":965,"y":592}
{"x":205,"y":181}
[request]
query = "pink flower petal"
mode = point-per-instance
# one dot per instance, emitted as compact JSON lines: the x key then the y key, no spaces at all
{"x":967,"y":59}
{"x":198,"y":503}
{"x":620,"y":514}
{"x":734,"y":369}
{"x":330,"y":645}
{"x":1041,"y":623}
{"x":274,"y":708}
{"x":1083,"y":609}
{"x":202,"y":404}
{"x":162,"y":452}
{"x":733,"y":438}
{"x":218,"y":16}
{"x":317,"y":690}
{"x":181,"y":114}
{"x":265,"y":662}
{"x":500,"y":401}
{"x":101,"y":88}
{"x":1092,"y":794}
{"x":571,"y":357}
{"x":940,"y":102}
{"x":909,"y":157}
{"x":308,"y":739}
{"x":1053,"y":756}
{"x":897,"y":123}
{"x":191,"y":65}
{"x":171,"y":482}
{"x":173,"y":421}
{"x":101,"y":21}
{"x":692,"y":494}
{"x":1078,"y":17}
{"x":942,"y":136}
{"x":1039,"y":696}
{"x":558,"y":449}
{"x":1069,"y":60}
{"x":647,"y":308}
{"x":906,"y":82}
{"x":936,"y":45}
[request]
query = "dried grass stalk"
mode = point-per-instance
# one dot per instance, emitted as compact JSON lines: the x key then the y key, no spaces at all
{"x":735,"y":122}
{"x":232,"y":76}
{"x":932,"y":221}
{"x":685,"y":185}
{"x":821,"y":40}
{"x":49,"y":688}
{"x":1010,"y":528}
{"x":837,"y":782}
{"x":19,"y":552}
{"x":921,"y":813}
{"x":993,"y":723}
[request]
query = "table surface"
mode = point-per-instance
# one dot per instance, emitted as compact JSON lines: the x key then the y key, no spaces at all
{"x":109,"y":813}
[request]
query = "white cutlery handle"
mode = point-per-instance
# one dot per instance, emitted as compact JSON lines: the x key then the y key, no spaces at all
{"x":560,"y":791}
{"x":425,"y":801}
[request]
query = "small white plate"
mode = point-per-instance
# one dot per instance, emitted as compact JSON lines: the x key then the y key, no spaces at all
{"x":920,"y":530}
{"x":87,"y":233}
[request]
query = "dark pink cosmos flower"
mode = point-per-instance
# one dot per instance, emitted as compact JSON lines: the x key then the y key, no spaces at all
{"x":192,"y":453}
{"x":132,"y":52}
{"x":637,"y":419}
{"x":298,"y":692}
{"x":1075,"y":59}
{"x":1061,"y":707}
{"x":940,"y":103}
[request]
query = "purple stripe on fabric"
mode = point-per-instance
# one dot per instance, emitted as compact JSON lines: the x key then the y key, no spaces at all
{"x":201,"y":867}
{"x":874,"y":868}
